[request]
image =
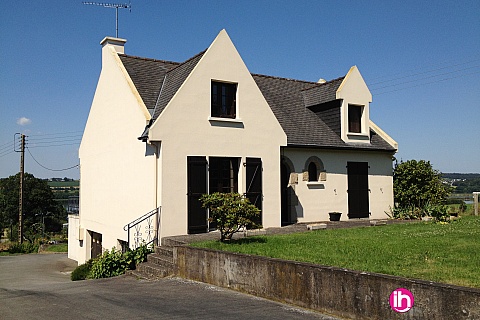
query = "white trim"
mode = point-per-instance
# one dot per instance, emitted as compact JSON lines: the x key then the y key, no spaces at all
{"x":218,"y":119}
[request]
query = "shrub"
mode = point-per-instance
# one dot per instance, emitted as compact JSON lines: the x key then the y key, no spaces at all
{"x":82,"y":271}
{"x":114,"y":263}
{"x":416,"y":184}
{"x":25,"y":247}
{"x":437,"y":211}
{"x":231,"y":212}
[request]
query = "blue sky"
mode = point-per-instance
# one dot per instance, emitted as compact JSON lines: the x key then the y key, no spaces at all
{"x":420,"y":59}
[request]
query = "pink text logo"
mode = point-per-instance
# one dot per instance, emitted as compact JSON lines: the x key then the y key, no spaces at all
{"x":401,"y":300}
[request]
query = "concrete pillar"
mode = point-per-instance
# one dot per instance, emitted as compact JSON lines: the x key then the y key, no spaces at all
{"x":475,"y":201}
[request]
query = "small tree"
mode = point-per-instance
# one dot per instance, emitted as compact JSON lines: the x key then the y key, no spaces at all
{"x":231,"y":212}
{"x":418,"y":189}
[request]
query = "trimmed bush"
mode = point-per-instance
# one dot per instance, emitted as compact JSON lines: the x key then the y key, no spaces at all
{"x":82,"y":271}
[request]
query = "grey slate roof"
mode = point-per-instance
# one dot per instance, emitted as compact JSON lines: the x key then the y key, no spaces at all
{"x":157,"y":81}
{"x":302,"y":126}
{"x":321,"y":92}
{"x":147,"y":75}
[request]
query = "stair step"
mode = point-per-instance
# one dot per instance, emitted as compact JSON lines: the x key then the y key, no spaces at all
{"x":152,"y":270}
{"x":164,"y":251}
{"x":160,"y":260}
{"x":171,"y":242}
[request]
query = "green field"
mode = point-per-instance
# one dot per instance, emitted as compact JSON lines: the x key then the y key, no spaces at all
{"x":63,"y":184}
{"x":448,"y":253}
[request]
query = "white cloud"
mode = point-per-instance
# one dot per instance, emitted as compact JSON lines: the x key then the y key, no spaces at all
{"x":23,"y":121}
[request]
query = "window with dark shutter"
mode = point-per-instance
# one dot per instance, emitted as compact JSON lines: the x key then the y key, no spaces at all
{"x":224,"y":96}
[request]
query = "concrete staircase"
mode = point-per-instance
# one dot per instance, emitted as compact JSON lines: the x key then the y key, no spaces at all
{"x":159,"y":264}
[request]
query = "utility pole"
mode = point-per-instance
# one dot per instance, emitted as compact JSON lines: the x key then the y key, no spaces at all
{"x":20,"y":198}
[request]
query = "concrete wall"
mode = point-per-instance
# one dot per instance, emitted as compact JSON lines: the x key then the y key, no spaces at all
{"x":313,"y":201}
{"x":349,"y":294}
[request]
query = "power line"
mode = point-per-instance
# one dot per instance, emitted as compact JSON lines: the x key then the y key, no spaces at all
{"x":425,"y":83}
{"x":28,"y":149}
{"x":3,"y":154}
{"x":429,"y":77}
{"x":409,"y":74}
{"x":55,"y":145}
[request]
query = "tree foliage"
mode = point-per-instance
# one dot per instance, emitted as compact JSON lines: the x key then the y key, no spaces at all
{"x":231,"y":212}
{"x":38,"y":206}
{"x":418,"y":190}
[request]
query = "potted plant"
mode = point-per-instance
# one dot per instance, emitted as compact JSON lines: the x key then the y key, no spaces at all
{"x":335,"y":216}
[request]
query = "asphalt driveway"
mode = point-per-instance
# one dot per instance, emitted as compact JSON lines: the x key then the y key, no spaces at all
{"x":38,"y":286}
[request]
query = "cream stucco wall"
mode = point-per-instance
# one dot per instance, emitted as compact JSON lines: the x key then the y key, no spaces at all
{"x":313,"y":201}
{"x":186,"y":129}
{"x":117,"y":182}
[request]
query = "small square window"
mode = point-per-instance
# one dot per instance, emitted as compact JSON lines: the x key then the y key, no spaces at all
{"x":224,"y":97}
{"x":355,"y":118}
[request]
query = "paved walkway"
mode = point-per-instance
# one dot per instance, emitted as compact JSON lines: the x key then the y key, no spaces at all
{"x":38,"y":286}
{"x":294,"y":228}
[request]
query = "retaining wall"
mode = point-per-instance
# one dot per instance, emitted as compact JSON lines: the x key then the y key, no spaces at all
{"x":346,"y":293}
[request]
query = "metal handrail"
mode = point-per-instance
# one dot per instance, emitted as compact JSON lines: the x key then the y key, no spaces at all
{"x":150,"y":229}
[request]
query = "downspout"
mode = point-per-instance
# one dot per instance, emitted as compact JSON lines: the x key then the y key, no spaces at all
{"x":157,"y":150}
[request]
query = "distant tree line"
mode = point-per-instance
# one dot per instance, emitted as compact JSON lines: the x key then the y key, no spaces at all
{"x":467,"y":186}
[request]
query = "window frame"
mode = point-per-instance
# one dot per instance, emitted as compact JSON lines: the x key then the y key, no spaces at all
{"x":223,"y":99}
{"x":355,"y":115}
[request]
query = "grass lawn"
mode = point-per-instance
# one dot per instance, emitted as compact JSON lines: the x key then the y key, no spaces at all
{"x":61,"y":247}
{"x":448,"y":253}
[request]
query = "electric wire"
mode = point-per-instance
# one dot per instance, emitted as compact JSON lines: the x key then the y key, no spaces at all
{"x":415,"y":73}
{"x":44,"y":167}
{"x":424,"y":78}
{"x":425,"y":83}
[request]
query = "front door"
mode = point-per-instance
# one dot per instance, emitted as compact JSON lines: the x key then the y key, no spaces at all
{"x":96,"y":244}
{"x":285,"y":194}
{"x":254,"y":183}
{"x":197,"y":186}
{"x":358,"y":191}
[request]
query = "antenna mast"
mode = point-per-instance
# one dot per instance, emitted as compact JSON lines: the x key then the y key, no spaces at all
{"x":112,"y":5}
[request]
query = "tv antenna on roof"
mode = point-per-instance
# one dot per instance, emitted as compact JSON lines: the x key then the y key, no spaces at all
{"x":112,"y":5}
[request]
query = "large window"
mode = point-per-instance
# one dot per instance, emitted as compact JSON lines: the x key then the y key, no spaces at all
{"x":224,"y":96}
{"x":355,"y":118}
{"x":223,"y":174}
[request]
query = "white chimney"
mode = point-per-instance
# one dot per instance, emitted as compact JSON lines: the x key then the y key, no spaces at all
{"x":321,"y":80}
{"x":116,"y":43}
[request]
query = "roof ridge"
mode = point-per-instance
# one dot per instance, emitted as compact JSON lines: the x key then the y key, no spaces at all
{"x":148,"y":59}
{"x":324,"y":83}
{"x":186,"y":61}
{"x":281,"y":78}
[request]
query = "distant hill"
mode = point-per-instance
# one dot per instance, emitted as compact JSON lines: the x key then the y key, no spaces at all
{"x":463,"y":182}
{"x":460,"y":175}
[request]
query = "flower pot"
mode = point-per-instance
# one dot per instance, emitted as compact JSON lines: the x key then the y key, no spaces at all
{"x":335,"y":216}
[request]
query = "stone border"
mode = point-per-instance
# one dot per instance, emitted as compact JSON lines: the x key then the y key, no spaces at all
{"x":343,"y":292}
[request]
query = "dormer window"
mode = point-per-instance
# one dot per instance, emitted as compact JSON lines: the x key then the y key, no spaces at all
{"x":355,"y":118}
{"x":224,"y":97}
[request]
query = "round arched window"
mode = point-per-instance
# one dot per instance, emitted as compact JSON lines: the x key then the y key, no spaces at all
{"x":312,"y":172}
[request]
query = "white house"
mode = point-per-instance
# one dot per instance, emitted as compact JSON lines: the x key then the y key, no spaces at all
{"x":161,"y":133}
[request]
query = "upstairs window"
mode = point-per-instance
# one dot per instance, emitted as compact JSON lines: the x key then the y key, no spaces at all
{"x":312,"y":172}
{"x":224,"y":97}
{"x":355,"y":118}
